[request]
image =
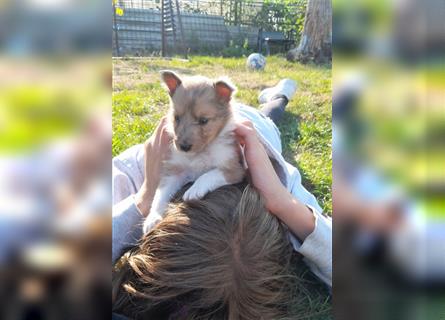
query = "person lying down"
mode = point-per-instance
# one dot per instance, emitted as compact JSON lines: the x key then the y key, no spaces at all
{"x":227,"y":255}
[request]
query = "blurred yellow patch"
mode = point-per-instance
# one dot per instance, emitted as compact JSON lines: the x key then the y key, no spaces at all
{"x":119,"y":11}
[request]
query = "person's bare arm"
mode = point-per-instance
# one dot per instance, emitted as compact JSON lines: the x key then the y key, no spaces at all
{"x":156,"y":148}
{"x":130,"y":212}
{"x":279,"y":201}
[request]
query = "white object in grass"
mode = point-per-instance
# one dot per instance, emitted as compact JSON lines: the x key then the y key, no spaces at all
{"x":256,"y":61}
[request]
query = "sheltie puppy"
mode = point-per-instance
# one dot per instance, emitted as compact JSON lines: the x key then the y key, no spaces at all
{"x":204,"y":148}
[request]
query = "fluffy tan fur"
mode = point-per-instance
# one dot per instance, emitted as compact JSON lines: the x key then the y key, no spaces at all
{"x":204,"y":148}
{"x":194,"y":101}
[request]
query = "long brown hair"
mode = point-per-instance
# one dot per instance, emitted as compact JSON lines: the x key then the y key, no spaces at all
{"x":222,"y":257}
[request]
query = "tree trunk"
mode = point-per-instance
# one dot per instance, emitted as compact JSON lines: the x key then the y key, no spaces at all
{"x":316,"y":41}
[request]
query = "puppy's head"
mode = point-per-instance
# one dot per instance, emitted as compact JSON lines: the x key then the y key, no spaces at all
{"x":200,"y":108}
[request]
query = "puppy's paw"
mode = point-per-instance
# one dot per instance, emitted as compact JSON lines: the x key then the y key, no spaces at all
{"x":152,"y":219}
{"x":196,"y":191}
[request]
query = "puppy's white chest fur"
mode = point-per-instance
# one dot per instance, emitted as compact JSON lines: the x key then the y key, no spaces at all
{"x":219,"y":164}
{"x":202,"y":124}
{"x":216,"y":155}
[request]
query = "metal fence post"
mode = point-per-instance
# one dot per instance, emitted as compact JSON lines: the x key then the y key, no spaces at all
{"x":181,"y":29}
{"x":116,"y":36}
{"x":163,"y":38}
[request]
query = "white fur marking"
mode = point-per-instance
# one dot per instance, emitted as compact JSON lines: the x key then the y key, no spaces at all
{"x":167,"y":188}
{"x":206,"y":183}
{"x":202,"y":167}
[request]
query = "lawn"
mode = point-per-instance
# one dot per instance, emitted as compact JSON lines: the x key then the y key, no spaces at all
{"x":139,"y":101}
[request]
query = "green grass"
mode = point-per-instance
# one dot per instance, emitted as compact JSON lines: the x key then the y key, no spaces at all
{"x":139,"y":102}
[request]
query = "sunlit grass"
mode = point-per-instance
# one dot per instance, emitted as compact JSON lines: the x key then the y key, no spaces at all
{"x":139,"y":101}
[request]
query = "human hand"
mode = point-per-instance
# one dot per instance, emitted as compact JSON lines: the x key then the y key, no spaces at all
{"x":156,"y":149}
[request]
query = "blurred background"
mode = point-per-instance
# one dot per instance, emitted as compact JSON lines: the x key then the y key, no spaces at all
{"x":388,"y":155}
{"x":388,"y":159}
{"x":55,"y":151}
{"x":228,"y":28}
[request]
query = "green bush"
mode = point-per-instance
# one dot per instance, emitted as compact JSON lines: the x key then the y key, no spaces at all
{"x":237,"y":49}
{"x":282,"y":15}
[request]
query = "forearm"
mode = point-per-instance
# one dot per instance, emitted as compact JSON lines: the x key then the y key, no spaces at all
{"x":295,"y":215}
{"x":144,"y":198}
{"x":310,"y":234}
{"x":128,"y":218}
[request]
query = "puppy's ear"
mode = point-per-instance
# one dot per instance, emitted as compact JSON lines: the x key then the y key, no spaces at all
{"x":171,"y":80}
{"x":224,"y":90}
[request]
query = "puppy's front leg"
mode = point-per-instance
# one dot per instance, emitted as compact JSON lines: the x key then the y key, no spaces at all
{"x":168,"y":186}
{"x":208,"y":182}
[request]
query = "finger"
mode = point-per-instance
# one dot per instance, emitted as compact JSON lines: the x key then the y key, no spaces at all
{"x":147,"y":144}
{"x":164,"y":121}
{"x":247,"y":133}
{"x":159,"y":131}
{"x":247,"y":123}
{"x":162,"y":124}
{"x":243,"y":130}
{"x":165,"y":137}
{"x":241,"y":141}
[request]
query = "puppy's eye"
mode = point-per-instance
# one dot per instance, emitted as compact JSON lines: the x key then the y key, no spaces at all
{"x":202,"y":121}
{"x":177,"y":119}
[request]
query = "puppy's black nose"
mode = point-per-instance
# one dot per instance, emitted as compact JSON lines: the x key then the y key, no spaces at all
{"x":185,"y":147}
